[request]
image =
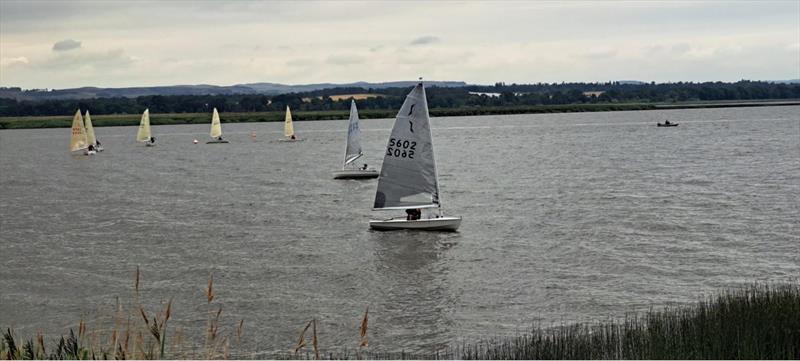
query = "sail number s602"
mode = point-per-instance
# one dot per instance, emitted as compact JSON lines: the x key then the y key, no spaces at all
{"x":401,"y":148}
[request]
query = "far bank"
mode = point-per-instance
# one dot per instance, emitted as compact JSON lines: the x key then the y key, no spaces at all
{"x":278,"y":116}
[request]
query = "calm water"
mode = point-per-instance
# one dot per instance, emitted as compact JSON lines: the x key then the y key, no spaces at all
{"x":567,"y":217}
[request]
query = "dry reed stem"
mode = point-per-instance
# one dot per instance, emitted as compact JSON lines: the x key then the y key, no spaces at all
{"x":302,"y":340}
{"x":239,"y":330}
{"x":210,"y":288}
{"x":314,"y":341}
{"x":364,"y":322}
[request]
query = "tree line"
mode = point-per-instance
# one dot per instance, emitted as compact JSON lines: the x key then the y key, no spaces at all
{"x":499,"y":94}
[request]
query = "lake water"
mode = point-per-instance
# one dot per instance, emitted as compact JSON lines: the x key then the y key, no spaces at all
{"x":566,"y":217}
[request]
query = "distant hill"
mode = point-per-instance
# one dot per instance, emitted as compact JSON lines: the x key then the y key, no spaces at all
{"x":201,"y":89}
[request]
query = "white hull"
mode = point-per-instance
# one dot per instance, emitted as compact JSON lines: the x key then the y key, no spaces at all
{"x":290,"y":140}
{"x":89,"y":152}
{"x":217,"y":141}
{"x":434,"y":224}
{"x":148,"y":144}
{"x":355,"y":173}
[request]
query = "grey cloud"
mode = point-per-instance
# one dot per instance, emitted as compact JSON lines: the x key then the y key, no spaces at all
{"x":345,"y":59}
{"x":423,"y":40}
{"x":680,"y":49}
{"x":112,"y":59}
{"x":66,"y":44}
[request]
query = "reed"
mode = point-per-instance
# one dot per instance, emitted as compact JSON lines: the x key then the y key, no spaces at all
{"x":756,"y":322}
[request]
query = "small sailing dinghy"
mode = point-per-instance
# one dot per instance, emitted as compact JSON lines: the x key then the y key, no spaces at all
{"x":288,"y":128}
{"x":144,"y":134}
{"x":90,"y":138}
{"x":216,"y":129}
{"x":352,"y":151}
{"x":78,"y":142}
{"x":408,"y":177}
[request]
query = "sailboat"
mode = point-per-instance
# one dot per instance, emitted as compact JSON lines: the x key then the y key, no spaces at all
{"x":91,"y":140}
{"x":216,"y":129}
{"x":352,"y":151}
{"x":77,"y":141}
{"x":408,"y":178}
{"x":144,"y":130}
{"x":288,"y":128}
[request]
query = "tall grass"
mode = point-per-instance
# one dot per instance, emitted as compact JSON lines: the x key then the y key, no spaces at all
{"x":756,"y":322}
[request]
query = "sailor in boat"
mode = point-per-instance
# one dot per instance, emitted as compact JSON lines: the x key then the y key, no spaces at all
{"x":91,"y":148}
{"x":219,"y":138}
{"x":292,"y":137}
{"x":152,"y":140}
{"x":364,"y":167}
{"x":666,"y":122}
{"x":97,"y":142}
{"x":413,"y":214}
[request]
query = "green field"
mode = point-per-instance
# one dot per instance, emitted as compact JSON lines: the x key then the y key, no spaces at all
{"x":278,"y":116}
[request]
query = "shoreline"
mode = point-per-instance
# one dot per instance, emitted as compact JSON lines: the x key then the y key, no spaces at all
{"x":35,"y":122}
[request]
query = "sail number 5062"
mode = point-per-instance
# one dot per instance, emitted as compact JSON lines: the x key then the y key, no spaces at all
{"x":401,"y":148}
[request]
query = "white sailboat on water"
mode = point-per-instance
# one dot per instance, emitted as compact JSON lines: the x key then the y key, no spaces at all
{"x":288,"y":128}
{"x":216,"y":129}
{"x":78,"y":142}
{"x":408,"y":178}
{"x":144,"y":134}
{"x":91,"y":140}
{"x":353,"y":151}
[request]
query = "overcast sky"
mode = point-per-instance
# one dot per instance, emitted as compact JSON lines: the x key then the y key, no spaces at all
{"x":63,"y":44}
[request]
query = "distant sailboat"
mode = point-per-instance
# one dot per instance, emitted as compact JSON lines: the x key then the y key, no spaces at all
{"x":144,"y":134}
{"x":90,"y":138}
{"x":77,"y":141}
{"x":408,"y":177}
{"x":216,"y":129}
{"x":288,"y":127}
{"x":353,"y":151}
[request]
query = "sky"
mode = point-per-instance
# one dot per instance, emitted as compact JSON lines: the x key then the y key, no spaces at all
{"x":65,"y":44}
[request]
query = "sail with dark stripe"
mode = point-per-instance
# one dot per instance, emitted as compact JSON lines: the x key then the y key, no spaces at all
{"x":408,"y":174}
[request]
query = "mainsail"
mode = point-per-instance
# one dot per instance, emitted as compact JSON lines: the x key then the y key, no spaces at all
{"x":408,"y":174}
{"x":353,"y":149}
{"x":144,"y":127}
{"x":216,"y":127}
{"x":288,"y":129}
{"x":78,"y":139}
{"x":90,"y":139}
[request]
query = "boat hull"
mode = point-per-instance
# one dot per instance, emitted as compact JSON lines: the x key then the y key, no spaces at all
{"x":217,"y":141}
{"x":667,"y":125}
{"x":290,"y":140}
{"x":355,"y":174}
{"x":445,"y":224}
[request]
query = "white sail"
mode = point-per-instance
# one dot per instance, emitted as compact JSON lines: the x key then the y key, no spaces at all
{"x":408,"y":174}
{"x":288,"y":128}
{"x":78,"y":139}
{"x":353,"y":149}
{"x":144,"y":127}
{"x":216,"y":127}
{"x":90,"y":138}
